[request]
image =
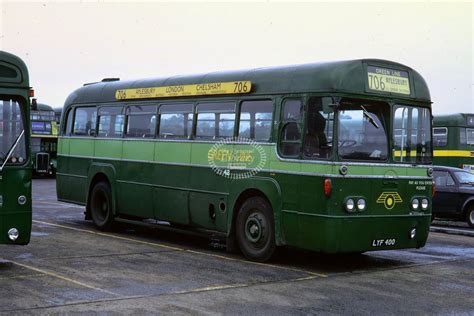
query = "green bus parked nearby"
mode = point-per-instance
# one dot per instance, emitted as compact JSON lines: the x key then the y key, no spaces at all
{"x":453,"y":140}
{"x":44,"y":139}
{"x":15,"y":162}
{"x":331,"y":157}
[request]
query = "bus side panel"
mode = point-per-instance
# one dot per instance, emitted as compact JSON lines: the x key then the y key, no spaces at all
{"x":209,"y":191}
{"x":134,"y":190}
{"x":289,"y":222}
{"x":170,"y":177}
{"x":81,"y":156}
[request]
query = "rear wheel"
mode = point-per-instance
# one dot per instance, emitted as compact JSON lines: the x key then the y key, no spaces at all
{"x":255,"y":229}
{"x":101,"y":206}
{"x":470,"y":215}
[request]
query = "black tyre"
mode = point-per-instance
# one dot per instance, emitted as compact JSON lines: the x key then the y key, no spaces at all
{"x":470,"y":215}
{"x":101,"y":206}
{"x":255,"y":229}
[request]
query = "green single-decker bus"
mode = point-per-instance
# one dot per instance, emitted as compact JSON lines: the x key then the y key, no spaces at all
{"x":332,"y":157}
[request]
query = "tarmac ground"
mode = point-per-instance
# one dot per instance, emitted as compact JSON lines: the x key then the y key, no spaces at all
{"x":71,"y":267}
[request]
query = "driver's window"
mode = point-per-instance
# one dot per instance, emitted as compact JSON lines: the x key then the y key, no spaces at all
{"x":361,"y":132}
{"x":290,"y":134}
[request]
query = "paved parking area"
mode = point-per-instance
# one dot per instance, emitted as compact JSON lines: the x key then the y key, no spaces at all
{"x":69,"y":266}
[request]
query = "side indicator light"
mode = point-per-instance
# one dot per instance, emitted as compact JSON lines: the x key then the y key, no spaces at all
{"x":31,"y":93}
{"x":327,"y":187}
{"x":433,"y":189}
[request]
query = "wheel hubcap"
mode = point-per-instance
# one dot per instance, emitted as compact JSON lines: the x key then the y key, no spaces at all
{"x":255,"y":227}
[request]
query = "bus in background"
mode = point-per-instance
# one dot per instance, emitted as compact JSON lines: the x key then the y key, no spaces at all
{"x":15,"y":162}
{"x":260,"y":158}
{"x":453,"y":140}
{"x":57,"y":116}
{"x":44,"y":139}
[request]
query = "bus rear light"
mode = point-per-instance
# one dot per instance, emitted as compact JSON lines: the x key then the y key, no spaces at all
{"x":31,"y":93}
{"x":327,"y":187}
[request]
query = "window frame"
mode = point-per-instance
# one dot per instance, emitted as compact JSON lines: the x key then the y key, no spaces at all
{"x":239,"y":117}
{"x":98,"y":115}
{"x":175,"y":104}
{"x":445,"y":134}
{"x":284,"y":123}
{"x":75,"y":108}
{"x":127,"y":114}
{"x":234,"y":102}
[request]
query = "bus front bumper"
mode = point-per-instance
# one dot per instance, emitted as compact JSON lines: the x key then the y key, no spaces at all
{"x":355,"y":234}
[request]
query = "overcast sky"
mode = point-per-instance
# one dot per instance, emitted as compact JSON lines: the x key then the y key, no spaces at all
{"x":66,"y":44}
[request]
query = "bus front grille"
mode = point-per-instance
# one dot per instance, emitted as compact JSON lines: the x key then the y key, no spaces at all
{"x":42,"y":162}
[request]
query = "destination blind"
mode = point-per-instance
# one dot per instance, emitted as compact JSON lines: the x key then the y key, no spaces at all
{"x":233,"y":87}
{"x":388,"y":80}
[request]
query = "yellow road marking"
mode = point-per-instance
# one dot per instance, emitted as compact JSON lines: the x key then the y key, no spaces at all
{"x":23,"y":276}
{"x":55,"y":275}
{"x":182,"y":249}
{"x":212,"y":288}
{"x":260,"y":264}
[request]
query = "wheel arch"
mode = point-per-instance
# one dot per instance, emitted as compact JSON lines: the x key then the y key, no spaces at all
{"x":267,"y":188}
{"x":101,"y":173}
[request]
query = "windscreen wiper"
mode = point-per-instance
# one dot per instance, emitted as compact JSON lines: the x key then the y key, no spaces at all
{"x":12,"y":149}
{"x":369,"y":116}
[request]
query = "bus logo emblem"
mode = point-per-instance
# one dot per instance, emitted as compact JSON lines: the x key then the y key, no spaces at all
{"x":389,"y":199}
{"x":237,"y":158}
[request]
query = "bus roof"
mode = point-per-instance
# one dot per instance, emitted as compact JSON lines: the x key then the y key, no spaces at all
{"x":340,"y":76}
{"x":44,"y":107}
{"x":13,"y":71}
{"x":458,"y":119}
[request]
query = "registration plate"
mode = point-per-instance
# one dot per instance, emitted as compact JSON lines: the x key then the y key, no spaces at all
{"x":384,"y":242}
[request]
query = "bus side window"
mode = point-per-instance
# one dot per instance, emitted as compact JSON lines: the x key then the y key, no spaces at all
{"x":68,"y":125}
{"x":215,"y":120}
{"x":256,"y":120}
{"x":141,"y":121}
{"x":290,"y":134}
{"x":176,"y":120}
{"x":440,"y":136}
{"x":84,"y":121}
{"x":470,"y":136}
{"x":318,"y":132}
{"x":111,"y":121}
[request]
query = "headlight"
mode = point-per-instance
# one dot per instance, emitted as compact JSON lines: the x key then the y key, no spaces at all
{"x":361,"y":204}
{"x":13,"y":234}
{"x":350,"y":205}
{"x":415,"y":204}
{"x":424,"y":204}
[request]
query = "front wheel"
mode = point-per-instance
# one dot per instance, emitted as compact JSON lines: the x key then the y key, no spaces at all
{"x":255,"y":229}
{"x":470,"y":215}
{"x":101,"y":206}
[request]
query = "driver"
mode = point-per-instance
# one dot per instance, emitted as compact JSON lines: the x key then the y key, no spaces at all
{"x":315,"y":142}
